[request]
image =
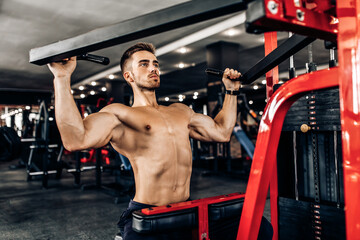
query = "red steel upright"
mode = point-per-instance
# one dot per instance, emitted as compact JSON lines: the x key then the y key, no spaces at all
{"x":272,"y":78}
{"x":348,"y":12}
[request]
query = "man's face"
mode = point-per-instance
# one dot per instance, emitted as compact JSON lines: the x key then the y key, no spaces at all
{"x":145,"y":70}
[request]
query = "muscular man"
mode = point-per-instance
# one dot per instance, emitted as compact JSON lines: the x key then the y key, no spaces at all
{"x":154,"y":138}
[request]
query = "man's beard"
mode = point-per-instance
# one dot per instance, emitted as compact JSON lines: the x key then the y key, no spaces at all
{"x":150,"y":85}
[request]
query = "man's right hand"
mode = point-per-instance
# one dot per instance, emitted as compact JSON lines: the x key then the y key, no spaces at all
{"x":64,"y":68}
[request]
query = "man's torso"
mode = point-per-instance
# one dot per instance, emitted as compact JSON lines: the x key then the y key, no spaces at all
{"x":156,"y":141}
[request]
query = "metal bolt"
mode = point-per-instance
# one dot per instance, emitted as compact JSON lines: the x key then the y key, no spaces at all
{"x":300,"y":15}
{"x":273,"y":7}
{"x":305,"y":128}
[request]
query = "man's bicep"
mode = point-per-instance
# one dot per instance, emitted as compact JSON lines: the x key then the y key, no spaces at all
{"x":99,"y":128}
{"x":203,"y":128}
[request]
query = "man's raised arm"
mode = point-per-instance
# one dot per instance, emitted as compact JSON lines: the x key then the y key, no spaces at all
{"x":220,"y":128}
{"x":76,"y":133}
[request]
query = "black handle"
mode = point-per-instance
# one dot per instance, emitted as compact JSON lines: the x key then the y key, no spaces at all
{"x":214,"y":72}
{"x":219,"y":73}
{"x":94,"y":58}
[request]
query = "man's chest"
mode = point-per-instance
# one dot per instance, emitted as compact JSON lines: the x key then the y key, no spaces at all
{"x":158,"y":121}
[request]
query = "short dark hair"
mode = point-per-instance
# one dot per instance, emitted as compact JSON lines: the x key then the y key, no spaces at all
{"x":141,"y":46}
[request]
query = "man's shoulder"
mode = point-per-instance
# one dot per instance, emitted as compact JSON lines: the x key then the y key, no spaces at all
{"x":115,"y":108}
{"x":180,"y":106}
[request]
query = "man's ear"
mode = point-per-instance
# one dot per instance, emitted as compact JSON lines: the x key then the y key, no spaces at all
{"x":128,"y":76}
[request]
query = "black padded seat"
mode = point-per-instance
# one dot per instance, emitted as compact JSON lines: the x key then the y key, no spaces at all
{"x":225,"y":210}
{"x":164,"y":222}
{"x":185,"y":219}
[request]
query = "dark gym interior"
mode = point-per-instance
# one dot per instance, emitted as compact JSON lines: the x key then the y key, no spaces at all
{"x":292,"y":156}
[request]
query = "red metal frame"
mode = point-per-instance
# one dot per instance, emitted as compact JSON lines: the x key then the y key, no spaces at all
{"x":349,"y":81}
{"x":268,"y":138}
{"x":272,"y":78}
{"x":201,"y":204}
{"x":315,"y":23}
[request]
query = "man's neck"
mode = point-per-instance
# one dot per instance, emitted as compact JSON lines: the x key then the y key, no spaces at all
{"x":144,"y":98}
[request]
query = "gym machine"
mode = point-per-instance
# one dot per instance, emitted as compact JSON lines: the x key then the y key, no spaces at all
{"x":46,"y":149}
{"x":306,"y":203}
{"x":329,"y":20}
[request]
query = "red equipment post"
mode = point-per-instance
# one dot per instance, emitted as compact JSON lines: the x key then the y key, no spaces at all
{"x":268,"y":139}
{"x":349,"y":80}
{"x":272,"y":78}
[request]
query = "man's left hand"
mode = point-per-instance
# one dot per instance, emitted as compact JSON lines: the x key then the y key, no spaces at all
{"x":229,"y":79}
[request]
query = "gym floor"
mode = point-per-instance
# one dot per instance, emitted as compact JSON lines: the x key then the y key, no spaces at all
{"x":64,"y":211}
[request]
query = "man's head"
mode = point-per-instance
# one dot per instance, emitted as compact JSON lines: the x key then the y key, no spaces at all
{"x":140,"y":67}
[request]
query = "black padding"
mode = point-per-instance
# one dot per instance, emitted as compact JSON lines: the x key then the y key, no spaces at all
{"x":225,"y":210}
{"x":183,"y":219}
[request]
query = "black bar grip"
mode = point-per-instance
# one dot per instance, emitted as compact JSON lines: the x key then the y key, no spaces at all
{"x":218,"y":73}
{"x":214,"y":72}
{"x":94,"y":58}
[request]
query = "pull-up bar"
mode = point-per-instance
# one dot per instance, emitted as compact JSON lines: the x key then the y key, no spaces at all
{"x":157,"y":22}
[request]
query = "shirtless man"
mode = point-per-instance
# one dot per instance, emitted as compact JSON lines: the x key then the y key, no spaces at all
{"x":154,"y":138}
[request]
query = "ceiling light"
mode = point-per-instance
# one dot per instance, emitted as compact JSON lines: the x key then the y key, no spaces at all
{"x":183,"y":50}
{"x":85,"y":115}
{"x":51,"y":119}
{"x":92,"y":92}
{"x":196,"y":93}
{"x":195,"y":97}
{"x":167,"y":99}
{"x":82,"y":95}
{"x":181,"y":65}
{"x":93,"y":83}
{"x":265,"y":99}
{"x":256,"y":87}
{"x":27,"y":107}
{"x":281,"y":82}
{"x":81,"y":88}
{"x":261,"y":113}
{"x":180,"y":99}
{"x":232,"y":32}
{"x":251,"y":102}
{"x":72,"y":91}
{"x":263,"y":81}
{"x":20,"y":110}
{"x":111,"y":76}
{"x":103,"y":89}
